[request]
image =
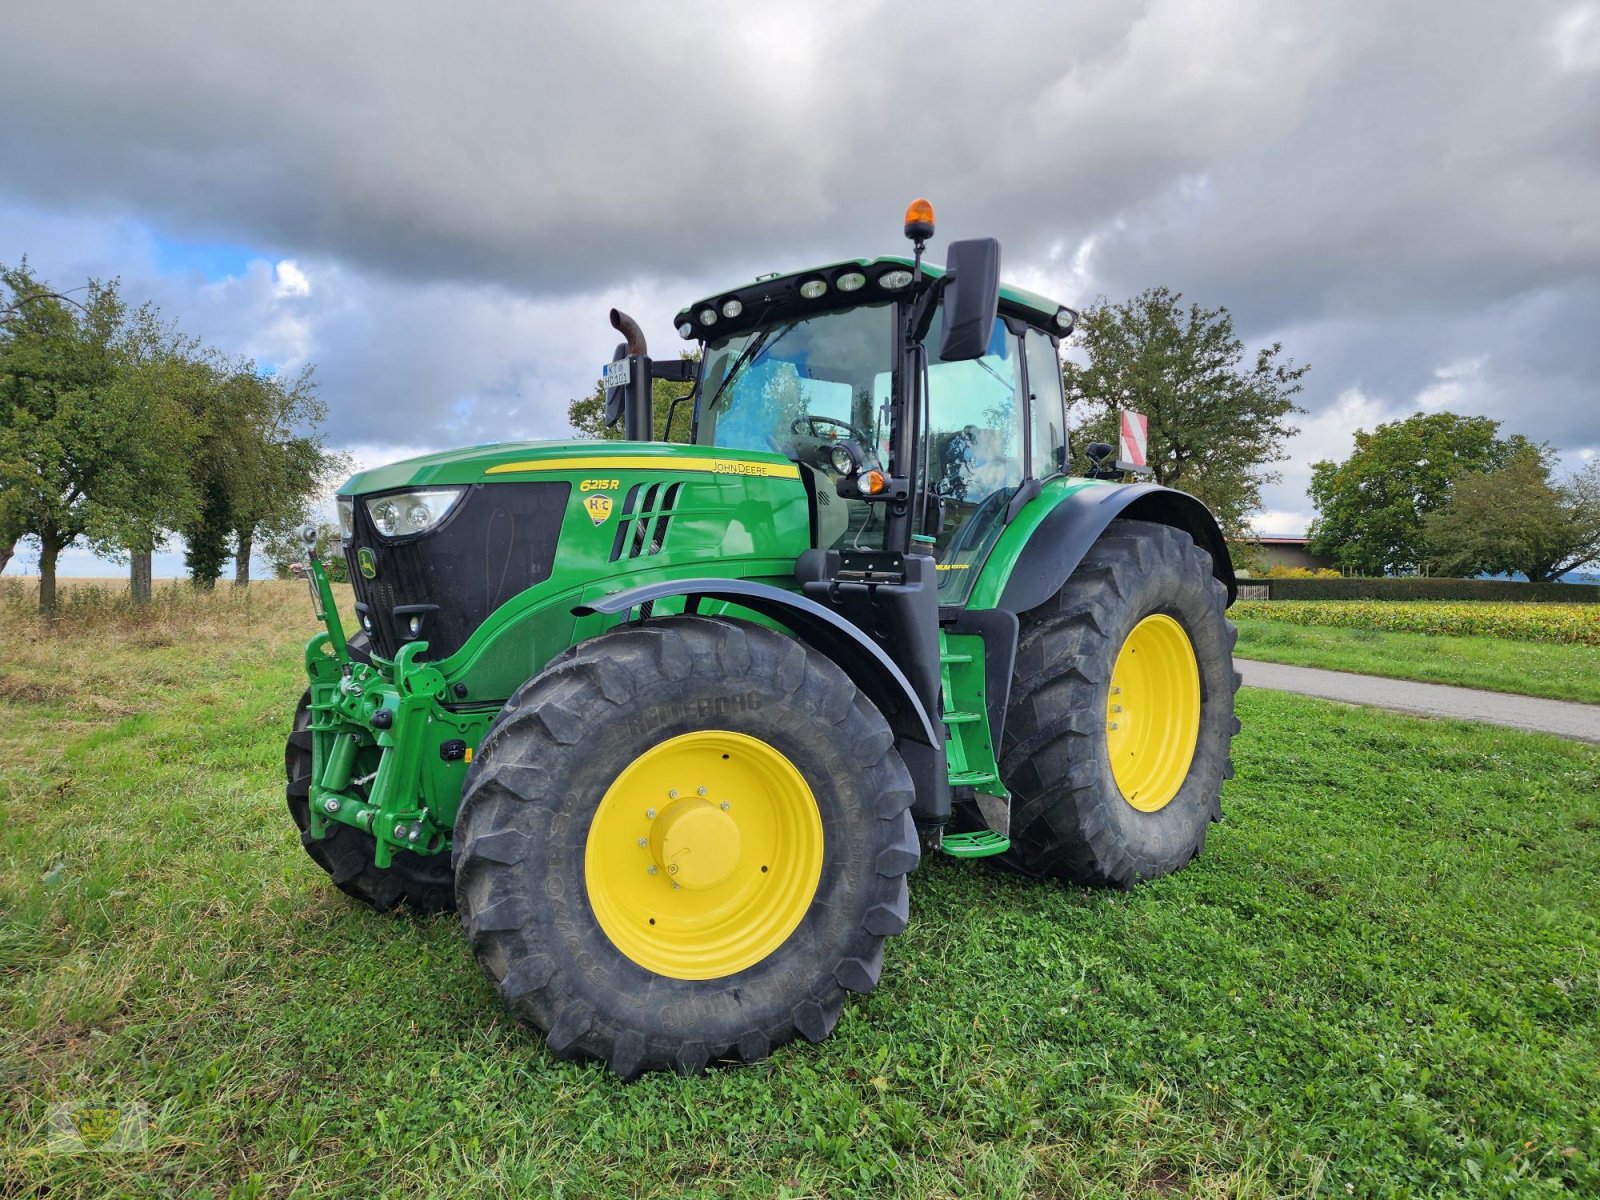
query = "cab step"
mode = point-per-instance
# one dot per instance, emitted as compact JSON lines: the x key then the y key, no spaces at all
{"x":981,"y":844}
{"x":973,"y":779}
{"x":961,"y":718}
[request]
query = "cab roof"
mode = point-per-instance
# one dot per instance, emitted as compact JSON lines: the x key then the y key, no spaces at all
{"x":778,"y":296}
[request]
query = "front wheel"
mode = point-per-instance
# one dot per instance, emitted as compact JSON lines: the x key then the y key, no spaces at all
{"x":684,"y":840}
{"x":1121,"y":713}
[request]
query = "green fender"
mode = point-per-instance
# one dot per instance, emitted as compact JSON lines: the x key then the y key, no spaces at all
{"x":1047,"y":540}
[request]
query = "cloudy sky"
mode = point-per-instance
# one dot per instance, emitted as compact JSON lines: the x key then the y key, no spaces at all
{"x":436,"y":204}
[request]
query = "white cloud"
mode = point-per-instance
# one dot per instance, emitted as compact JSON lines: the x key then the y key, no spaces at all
{"x":291,"y":279}
{"x":1452,"y":387}
{"x":1576,"y":38}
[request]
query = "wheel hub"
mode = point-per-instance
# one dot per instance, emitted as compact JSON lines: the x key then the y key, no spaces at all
{"x":696,"y":843}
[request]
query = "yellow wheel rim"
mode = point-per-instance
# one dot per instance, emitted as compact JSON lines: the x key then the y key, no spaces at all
{"x":704,"y":855}
{"x":1153,"y":713}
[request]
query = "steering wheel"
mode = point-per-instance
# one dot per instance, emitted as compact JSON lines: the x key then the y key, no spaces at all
{"x":807,"y":425}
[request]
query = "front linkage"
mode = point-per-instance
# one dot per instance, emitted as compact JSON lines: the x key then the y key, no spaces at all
{"x":370,"y":730}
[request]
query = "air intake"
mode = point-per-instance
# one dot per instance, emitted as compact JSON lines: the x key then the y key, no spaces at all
{"x":646,"y":513}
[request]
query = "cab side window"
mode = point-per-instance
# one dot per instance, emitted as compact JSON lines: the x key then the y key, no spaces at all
{"x":1049,"y":404}
{"x":975,"y":453}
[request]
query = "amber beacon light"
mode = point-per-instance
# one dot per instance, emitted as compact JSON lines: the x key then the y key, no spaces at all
{"x":919,"y":220}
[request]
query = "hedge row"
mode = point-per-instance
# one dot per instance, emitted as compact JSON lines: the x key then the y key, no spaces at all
{"x":1569,"y":624}
{"x":1414,"y":588}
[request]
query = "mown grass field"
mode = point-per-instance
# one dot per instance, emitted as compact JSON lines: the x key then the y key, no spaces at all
{"x":1383,"y":978}
{"x":1560,"y":671}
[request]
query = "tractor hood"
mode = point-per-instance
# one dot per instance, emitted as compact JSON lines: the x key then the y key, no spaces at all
{"x":504,"y":461}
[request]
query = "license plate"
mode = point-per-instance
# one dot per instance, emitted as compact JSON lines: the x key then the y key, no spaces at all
{"x":616,"y":374}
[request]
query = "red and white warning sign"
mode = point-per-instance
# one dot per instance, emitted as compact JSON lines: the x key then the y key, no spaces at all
{"x":1135,"y":434}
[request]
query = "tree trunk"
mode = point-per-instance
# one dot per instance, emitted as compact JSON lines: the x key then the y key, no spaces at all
{"x":7,"y":549}
{"x":139,"y":576}
{"x":49,"y":549}
{"x":241,"y":560}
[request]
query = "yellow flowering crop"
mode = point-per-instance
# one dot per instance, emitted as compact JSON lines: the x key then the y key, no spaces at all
{"x":1577,"y":624}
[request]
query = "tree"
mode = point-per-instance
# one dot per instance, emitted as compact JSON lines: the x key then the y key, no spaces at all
{"x":587,"y":414}
{"x":258,"y":462}
{"x":88,"y":437}
{"x":1515,"y":520}
{"x":1370,"y":508}
{"x":163,"y":371}
{"x":273,"y":485}
{"x":1216,"y":417}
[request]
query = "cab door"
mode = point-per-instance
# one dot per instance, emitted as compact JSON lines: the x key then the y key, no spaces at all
{"x":975,"y":451}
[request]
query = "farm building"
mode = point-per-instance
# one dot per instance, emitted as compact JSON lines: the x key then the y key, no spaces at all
{"x":1289,"y":552}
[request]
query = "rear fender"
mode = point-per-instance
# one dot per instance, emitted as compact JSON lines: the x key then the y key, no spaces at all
{"x":1061,"y":539}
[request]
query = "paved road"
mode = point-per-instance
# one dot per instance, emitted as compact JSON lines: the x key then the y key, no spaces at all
{"x":1563,"y":718}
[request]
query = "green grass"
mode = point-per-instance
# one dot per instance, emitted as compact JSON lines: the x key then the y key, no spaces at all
{"x":1382,"y":978}
{"x":1560,"y":672}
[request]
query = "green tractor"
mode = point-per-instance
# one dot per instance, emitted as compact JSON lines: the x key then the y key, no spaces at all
{"x":670,"y":724}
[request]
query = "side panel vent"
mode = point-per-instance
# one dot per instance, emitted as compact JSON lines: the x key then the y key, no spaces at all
{"x":646,"y":513}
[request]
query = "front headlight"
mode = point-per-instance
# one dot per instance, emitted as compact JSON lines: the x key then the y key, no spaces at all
{"x":347,"y":516}
{"x":402,"y":514}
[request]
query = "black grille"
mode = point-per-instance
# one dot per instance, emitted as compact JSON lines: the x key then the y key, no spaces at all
{"x":498,"y":540}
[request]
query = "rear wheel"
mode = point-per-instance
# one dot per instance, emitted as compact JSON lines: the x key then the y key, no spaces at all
{"x":682,"y":841}
{"x":421,"y":881}
{"x":1121,"y":714}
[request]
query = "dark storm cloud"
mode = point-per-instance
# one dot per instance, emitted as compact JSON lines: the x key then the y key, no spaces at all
{"x":1406,"y":194}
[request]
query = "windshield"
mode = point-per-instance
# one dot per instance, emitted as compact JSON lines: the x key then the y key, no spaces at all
{"x":798,"y":387}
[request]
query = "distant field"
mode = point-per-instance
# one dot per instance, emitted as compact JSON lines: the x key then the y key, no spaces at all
{"x":1563,"y":624}
{"x":1380,"y":978}
{"x":1556,"y":671}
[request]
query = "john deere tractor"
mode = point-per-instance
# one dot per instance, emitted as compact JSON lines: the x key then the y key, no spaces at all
{"x":670,"y":724}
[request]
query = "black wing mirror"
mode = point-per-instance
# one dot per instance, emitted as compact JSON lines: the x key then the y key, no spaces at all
{"x":971,"y":299}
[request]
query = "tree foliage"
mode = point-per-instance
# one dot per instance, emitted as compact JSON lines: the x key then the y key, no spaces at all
{"x":1515,"y":520}
{"x":1217,"y":416}
{"x":116,"y":429}
{"x":91,"y":435}
{"x":1371,"y":507}
{"x":255,"y":467}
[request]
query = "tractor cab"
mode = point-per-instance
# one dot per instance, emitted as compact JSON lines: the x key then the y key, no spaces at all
{"x":805,"y":365}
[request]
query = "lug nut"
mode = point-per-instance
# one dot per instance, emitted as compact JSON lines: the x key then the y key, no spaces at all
{"x":643,"y":842}
{"x":651,"y":870}
{"x":650,"y":813}
{"x":726,"y":806}
{"x":672,"y":794}
{"x":700,"y":791}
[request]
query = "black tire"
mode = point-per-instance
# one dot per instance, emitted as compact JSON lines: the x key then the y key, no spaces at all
{"x":1069,"y":818}
{"x":533,"y":791}
{"x":423,"y":882}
